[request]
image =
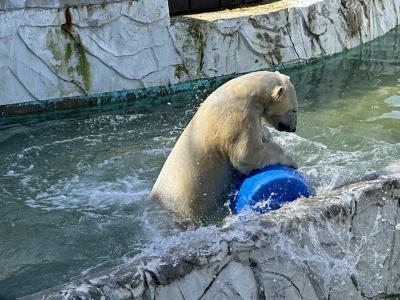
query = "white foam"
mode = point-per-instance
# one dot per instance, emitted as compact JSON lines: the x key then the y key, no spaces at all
{"x":330,"y":166}
{"x":83,"y":194}
{"x":157,"y":152}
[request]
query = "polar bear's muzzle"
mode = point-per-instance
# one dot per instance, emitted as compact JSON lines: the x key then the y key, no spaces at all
{"x":284,"y":127}
{"x":286,"y":122}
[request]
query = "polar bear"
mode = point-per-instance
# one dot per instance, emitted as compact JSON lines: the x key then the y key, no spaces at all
{"x":223,"y":137}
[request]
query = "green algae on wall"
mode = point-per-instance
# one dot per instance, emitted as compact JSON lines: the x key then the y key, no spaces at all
{"x":70,"y":58}
{"x":200,"y":44}
{"x":180,"y":70}
{"x":195,"y":40}
{"x":83,"y":64}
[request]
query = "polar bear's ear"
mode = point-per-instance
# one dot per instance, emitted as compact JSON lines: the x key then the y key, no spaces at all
{"x":277,"y":92}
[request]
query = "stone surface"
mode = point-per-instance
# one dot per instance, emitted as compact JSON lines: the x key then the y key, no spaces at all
{"x":53,"y":49}
{"x":21,"y":4}
{"x":341,"y":245}
{"x":270,"y":35}
{"x":51,"y":53}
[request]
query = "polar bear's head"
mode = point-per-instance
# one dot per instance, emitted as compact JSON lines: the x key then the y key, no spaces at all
{"x":281,"y":110}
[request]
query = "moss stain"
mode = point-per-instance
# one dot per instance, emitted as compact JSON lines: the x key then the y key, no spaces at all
{"x":180,"y":70}
{"x":83,"y":66}
{"x":68,"y":51}
{"x":196,"y":41}
{"x":276,"y":45}
{"x":69,"y":54}
{"x":52,"y":45}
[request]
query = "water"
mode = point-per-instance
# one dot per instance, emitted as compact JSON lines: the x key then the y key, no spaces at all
{"x":73,"y":184}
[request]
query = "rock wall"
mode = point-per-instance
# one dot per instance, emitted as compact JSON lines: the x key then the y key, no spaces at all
{"x":342,"y":245}
{"x":51,"y":52}
{"x":276,"y":34}
{"x":59,"y":49}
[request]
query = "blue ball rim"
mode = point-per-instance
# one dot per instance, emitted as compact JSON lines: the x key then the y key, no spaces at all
{"x":277,"y":184}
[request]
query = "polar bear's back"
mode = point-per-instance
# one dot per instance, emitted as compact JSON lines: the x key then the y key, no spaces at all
{"x":193,"y":166}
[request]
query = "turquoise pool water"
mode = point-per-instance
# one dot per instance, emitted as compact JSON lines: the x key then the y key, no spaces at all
{"x":73,"y":184}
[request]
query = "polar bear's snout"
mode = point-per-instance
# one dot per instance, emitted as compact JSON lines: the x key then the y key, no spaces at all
{"x":284,"y":127}
{"x":286,"y":122}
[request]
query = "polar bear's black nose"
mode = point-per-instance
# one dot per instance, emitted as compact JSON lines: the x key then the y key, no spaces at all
{"x":284,"y":127}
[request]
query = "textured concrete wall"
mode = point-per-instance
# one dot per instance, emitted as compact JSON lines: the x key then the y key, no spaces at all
{"x":57,"y":48}
{"x":22,"y":4}
{"x":342,"y":245}
{"x":51,"y":53}
{"x":275,"y":34}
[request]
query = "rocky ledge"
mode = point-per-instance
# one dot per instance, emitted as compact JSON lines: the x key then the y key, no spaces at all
{"x":341,"y":245}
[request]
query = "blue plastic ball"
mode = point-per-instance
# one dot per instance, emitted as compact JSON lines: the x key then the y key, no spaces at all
{"x":269,"y":188}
